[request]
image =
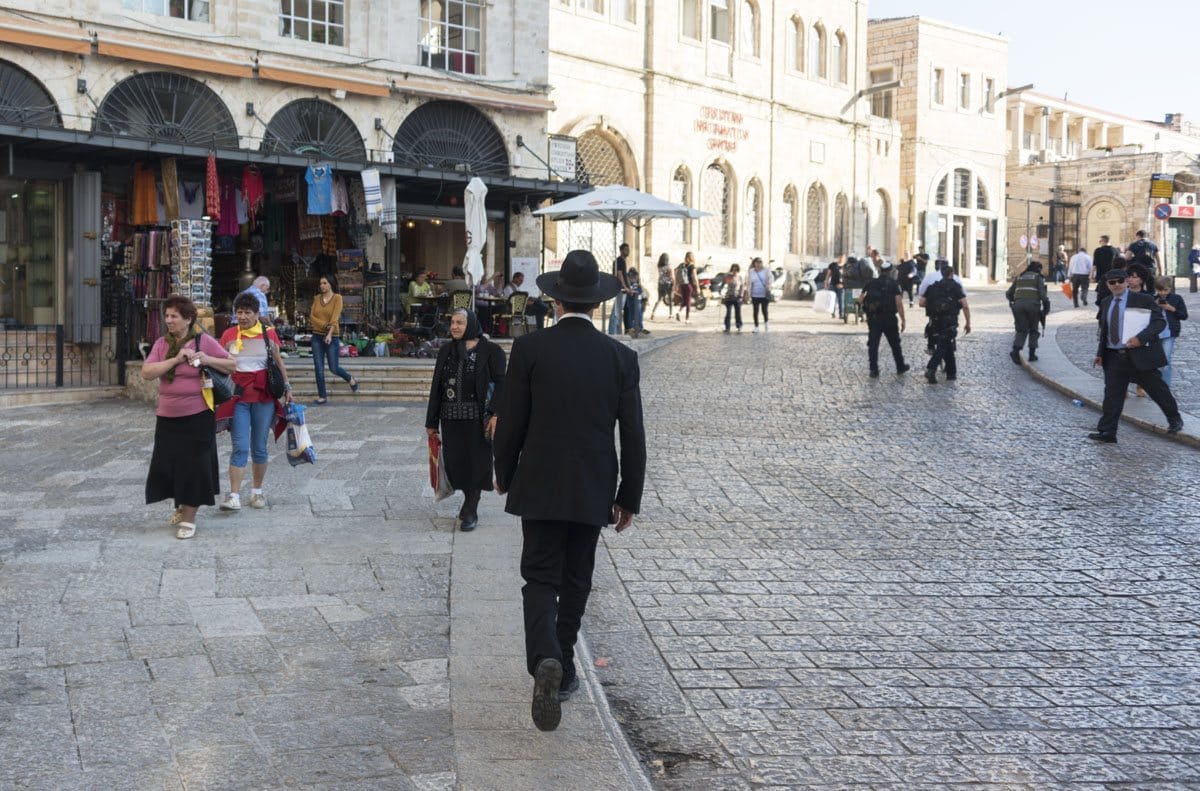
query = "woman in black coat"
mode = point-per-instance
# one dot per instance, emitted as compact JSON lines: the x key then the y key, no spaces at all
{"x":462,"y":398}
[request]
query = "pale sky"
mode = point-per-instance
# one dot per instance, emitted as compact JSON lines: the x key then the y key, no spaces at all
{"x":1134,"y":59}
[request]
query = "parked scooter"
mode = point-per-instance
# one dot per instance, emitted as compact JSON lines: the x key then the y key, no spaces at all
{"x":810,"y":281}
{"x":778,"y":282}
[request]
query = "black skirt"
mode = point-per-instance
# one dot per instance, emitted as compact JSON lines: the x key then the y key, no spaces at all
{"x":183,"y":468}
{"x":467,"y":455}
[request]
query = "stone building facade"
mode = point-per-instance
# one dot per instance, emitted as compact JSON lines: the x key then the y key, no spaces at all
{"x":950,"y":111}
{"x":751,"y":110}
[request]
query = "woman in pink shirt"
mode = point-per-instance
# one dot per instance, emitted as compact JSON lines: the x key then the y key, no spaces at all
{"x":183,"y":466}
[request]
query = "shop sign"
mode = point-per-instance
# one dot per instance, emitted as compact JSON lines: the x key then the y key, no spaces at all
{"x":1162,"y":185}
{"x":1183,"y":211}
{"x":724,"y":128}
{"x":561,"y":156}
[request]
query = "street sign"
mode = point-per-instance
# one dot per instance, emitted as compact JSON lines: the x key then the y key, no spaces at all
{"x":1162,"y":185}
{"x":1162,"y":211}
{"x":1033,"y":243}
{"x":1024,"y":241}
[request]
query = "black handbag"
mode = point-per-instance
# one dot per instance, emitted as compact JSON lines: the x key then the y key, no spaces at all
{"x":222,"y":383}
{"x":275,"y":383}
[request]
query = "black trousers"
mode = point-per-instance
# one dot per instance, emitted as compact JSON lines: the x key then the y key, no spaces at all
{"x":760,"y":302}
{"x":942,"y":335}
{"x":1026,"y":315}
{"x":1079,"y":286}
{"x":887,"y":326}
{"x":735,"y":307}
{"x":1118,"y":373}
{"x":557,"y":559}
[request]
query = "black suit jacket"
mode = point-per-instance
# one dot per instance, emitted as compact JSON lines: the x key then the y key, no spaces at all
{"x":567,"y":386}
{"x":489,"y":369}
{"x":1149,"y":355}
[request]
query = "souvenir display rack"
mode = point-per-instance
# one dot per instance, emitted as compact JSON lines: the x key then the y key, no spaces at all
{"x":191,"y":260}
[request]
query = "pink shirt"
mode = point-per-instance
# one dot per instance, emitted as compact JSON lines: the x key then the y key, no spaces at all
{"x":182,"y":397}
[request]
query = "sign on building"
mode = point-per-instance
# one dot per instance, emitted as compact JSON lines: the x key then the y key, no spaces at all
{"x":1162,"y":185}
{"x":561,"y":156}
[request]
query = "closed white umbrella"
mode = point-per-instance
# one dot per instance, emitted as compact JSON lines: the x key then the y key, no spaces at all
{"x":473,"y":202}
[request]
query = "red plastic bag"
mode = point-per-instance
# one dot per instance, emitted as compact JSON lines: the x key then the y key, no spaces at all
{"x":1066,"y":287}
{"x":435,"y":456}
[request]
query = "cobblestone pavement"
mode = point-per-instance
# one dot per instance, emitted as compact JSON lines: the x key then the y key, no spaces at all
{"x":1078,"y":342}
{"x":842,"y":582}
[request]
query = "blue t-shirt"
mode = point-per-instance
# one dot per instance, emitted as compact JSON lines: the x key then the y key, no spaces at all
{"x":320,"y":189}
{"x":263,"y":309}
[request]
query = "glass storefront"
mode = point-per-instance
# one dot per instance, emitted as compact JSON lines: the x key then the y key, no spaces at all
{"x":30,"y":251}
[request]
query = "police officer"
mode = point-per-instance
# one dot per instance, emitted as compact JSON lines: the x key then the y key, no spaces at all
{"x":1029,"y":302}
{"x":882,"y":301}
{"x":942,"y":302}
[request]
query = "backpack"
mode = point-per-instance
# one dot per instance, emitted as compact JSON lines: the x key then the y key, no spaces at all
{"x":940,"y":300}
{"x":874,"y":300}
{"x":681,"y":275}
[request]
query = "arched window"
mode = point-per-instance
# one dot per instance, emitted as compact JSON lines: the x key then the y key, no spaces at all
{"x":600,"y":162}
{"x":796,"y":44}
{"x":749,"y":34}
{"x":24,"y":101}
{"x":716,"y":198}
{"x":841,"y":58}
{"x":940,"y":198}
{"x":448,"y":135}
{"x":816,"y":213}
{"x":680,"y":231}
{"x":962,"y":188}
{"x":981,"y":198}
{"x":954,"y":191}
{"x":818,"y":65}
{"x":841,"y":224}
{"x":881,"y":222}
{"x":752,"y":223}
{"x":787,"y":222}
{"x":160,"y":105}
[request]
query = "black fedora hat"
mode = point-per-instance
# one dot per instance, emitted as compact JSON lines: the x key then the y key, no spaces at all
{"x":579,"y":280}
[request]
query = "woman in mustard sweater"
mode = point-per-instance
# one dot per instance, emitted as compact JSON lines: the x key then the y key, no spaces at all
{"x":323,"y":318}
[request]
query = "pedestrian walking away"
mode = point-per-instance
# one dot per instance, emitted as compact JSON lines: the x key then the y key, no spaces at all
{"x":183,"y":464}
{"x":685,"y":280}
{"x":666,"y":287}
{"x":942,"y":302}
{"x":1194,"y":264}
{"x":933,"y":276}
{"x":323,"y":318}
{"x":760,"y":281}
{"x":634,"y":304}
{"x":254,"y":411}
{"x":1104,"y":258}
{"x":734,"y":295}
{"x":1145,"y":252}
{"x":467,"y":383}
{"x":1030,"y":303}
{"x":882,"y":303}
{"x":908,"y":278}
{"x":833,"y":282}
{"x":1080,"y":270}
{"x":565,"y":391}
{"x":618,"y":309}
{"x":1129,"y":356}
{"x":1174,"y":311}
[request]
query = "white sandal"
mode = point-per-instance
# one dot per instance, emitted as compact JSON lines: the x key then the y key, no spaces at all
{"x":185,"y":530}
{"x":176,"y":517}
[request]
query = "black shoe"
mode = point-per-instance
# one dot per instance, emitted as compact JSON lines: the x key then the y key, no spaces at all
{"x":930,"y":377}
{"x":469,"y":524}
{"x":874,"y":373}
{"x":547,"y":679}
{"x":1015,"y":356}
{"x":569,"y":685}
{"x":903,"y":369}
{"x":1175,"y":426}
{"x":1099,"y":437}
{"x":1032,"y":357}
{"x":951,"y":377}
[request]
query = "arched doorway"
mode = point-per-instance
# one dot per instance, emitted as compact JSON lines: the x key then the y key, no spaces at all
{"x":1105,"y":217}
{"x":960,"y":225}
{"x":162,"y":105}
{"x":602,"y":159}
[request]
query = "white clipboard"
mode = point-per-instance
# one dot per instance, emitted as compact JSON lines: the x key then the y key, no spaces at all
{"x":1135,"y":320}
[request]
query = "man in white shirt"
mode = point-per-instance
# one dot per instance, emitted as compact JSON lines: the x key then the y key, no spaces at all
{"x":1080,"y":272}
{"x":934,"y":275}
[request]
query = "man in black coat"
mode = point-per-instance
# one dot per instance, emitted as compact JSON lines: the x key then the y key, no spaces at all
{"x":1129,"y":357}
{"x":565,"y":389}
{"x":1104,"y":258}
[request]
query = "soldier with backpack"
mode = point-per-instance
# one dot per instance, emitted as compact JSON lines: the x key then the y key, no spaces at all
{"x":1029,"y":302}
{"x":881,"y":302}
{"x":942,"y":302}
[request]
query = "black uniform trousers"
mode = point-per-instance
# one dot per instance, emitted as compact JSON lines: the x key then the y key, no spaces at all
{"x":886,"y":325}
{"x":557,"y":559}
{"x":1079,"y":287}
{"x":1027,"y":313}
{"x":1119,"y":371}
{"x":942,"y":332}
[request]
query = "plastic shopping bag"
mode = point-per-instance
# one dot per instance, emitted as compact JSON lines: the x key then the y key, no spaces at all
{"x":1067,"y":291}
{"x":825,"y":301}
{"x":437,"y":471}
{"x":300,"y":449}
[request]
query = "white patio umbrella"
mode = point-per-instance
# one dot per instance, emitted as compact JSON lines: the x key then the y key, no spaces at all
{"x":618,"y":204}
{"x":473,"y":203}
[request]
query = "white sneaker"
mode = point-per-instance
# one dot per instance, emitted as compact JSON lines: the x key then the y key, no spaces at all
{"x":755,"y":328}
{"x":766,"y":326}
{"x":258,"y":501}
{"x":232,"y":502}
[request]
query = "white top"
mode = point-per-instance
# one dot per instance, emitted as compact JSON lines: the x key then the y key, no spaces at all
{"x":760,"y":282}
{"x":933,"y":277}
{"x":1081,"y":264}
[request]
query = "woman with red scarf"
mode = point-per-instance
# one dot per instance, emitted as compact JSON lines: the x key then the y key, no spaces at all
{"x":253,"y":411}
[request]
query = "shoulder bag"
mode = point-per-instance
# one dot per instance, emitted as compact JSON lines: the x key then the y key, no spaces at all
{"x":222,"y":383}
{"x":275,"y":383}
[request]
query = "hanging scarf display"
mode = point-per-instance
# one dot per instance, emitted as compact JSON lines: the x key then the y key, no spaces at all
{"x":252,"y":191}
{"x":388,"y":219}
{"x":170,"y":182}
{"x":253,"y":332}
{"x":228,"y":226}
{"x":145,"y":196}
{"x":212,"y":189}
{"x":372,"y":194}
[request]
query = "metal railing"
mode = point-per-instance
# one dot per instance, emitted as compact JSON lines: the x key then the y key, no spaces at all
{"x":45,"y":356}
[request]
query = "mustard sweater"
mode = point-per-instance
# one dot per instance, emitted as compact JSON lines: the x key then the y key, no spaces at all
{"x":322,"y":317}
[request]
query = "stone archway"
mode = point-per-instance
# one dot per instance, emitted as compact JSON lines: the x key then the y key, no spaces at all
{"x":1105,"y":217}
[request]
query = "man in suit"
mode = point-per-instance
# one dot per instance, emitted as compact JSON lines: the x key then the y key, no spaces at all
{"x":565,"y":389}
{"x":1130,"y":357}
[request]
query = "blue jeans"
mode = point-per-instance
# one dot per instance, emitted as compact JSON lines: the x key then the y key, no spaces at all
{"x":321,"y":352}
{"x":1168,"y":347}
{"x":249,"y":429}
{"x":633,"y":312}
{"x":618,"y":310}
